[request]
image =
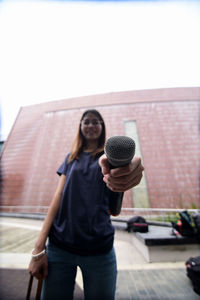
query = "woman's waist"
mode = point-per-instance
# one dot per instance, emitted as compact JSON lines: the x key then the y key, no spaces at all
{"x":81,"y":246}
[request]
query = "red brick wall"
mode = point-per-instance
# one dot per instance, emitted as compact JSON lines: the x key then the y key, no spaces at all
{"x":168,"y":128}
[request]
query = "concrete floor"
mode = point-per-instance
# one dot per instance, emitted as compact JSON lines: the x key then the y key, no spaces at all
{"x":137,"y":279}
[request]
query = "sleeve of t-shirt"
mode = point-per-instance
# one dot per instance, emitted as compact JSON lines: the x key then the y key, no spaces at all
{"x":63,"y":167}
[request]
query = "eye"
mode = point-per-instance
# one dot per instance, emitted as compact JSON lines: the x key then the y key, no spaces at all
{"x":86,"y":122}
{"x":95,"y":122}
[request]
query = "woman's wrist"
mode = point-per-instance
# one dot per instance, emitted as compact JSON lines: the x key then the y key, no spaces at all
{"x":40,"y":245}
{"x":37,"y":255}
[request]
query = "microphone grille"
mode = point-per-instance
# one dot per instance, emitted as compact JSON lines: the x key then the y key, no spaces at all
{"x":119,"y":150}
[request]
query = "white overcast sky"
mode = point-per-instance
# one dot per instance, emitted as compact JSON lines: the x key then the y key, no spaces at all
{"x":51,"y":50}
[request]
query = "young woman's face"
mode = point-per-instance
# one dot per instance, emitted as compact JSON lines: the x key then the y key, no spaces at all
{"x":91,"y":127}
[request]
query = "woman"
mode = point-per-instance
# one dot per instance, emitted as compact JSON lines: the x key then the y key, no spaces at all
{"x":78,"y":222}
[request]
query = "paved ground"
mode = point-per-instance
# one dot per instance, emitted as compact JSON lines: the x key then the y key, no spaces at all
{"x":137,"y":279}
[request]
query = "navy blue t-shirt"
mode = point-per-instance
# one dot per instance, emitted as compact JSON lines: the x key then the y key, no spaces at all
{"x":83,"y":224}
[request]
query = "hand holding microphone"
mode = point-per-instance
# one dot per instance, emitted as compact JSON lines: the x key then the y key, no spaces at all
{"x":123,"y":178}
{"x":119,"y":151}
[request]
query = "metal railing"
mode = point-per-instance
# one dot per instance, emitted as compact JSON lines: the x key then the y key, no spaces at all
{"x":162,"y":214}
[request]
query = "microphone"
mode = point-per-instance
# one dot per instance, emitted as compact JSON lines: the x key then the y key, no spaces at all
{"x":119,"y":151}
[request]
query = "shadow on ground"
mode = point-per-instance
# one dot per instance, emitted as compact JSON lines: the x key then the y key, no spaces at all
{"x":131,"y":285}
{"x":14,"y":285}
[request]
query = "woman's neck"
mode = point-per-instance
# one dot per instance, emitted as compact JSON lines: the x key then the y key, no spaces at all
{"x":90,"y":146}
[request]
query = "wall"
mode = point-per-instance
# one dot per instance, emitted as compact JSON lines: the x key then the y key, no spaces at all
{"x":167,"y":122}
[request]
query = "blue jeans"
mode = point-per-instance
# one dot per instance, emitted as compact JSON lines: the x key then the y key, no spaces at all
{"x":99,"y":275}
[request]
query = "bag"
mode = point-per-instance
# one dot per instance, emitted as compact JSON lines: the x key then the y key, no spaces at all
{"x":39,"y":288}
{"x":193,"y":272}
{"x":137,"y":224}
{"x":184,"y":224}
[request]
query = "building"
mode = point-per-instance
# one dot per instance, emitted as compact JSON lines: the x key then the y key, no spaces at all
{"x":163,"y":122}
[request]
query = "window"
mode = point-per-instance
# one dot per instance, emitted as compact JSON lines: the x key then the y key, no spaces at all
{"x":140,"y":192}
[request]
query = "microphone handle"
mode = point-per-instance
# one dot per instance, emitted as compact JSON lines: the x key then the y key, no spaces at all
{"x":115,"y":204}
{"x":116,"y":200}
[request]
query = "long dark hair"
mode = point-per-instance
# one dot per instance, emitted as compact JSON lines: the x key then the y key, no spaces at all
{"x":80,"y":141}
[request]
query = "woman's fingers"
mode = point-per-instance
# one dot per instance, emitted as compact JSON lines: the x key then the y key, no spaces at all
{"x":39,"y":268}
{"x":125,"y":178}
